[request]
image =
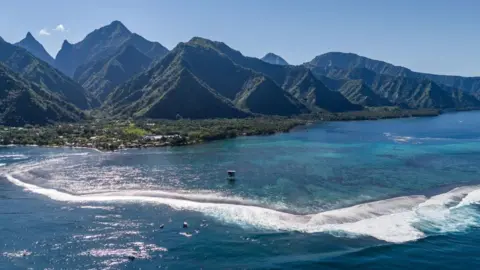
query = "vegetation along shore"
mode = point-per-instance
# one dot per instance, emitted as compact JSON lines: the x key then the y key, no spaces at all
{"x":110,"y":135}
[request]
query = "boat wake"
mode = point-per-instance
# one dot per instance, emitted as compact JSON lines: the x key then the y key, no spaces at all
{"x":393,"y":220}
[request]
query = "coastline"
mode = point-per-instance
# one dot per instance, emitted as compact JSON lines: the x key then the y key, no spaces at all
{"x":52,"y":146}
{"x":114,"y":135}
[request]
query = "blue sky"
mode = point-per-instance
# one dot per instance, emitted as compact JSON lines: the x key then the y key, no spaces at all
{"x":437,"y":36}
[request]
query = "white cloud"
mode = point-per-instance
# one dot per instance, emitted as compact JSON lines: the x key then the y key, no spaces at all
{"x":44,"y":32}
{"x":60,"y":28}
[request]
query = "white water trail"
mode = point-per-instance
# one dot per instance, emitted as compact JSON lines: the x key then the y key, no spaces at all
{"x":393,"y":220}
{"x":389,"y":220}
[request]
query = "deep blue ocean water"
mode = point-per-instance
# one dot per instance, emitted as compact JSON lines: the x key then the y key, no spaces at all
{"x":390,"y":194}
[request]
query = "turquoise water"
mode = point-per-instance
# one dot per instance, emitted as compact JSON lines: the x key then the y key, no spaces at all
{"x":365,"y":195}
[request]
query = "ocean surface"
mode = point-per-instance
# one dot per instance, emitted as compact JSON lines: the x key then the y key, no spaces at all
{"x":389,"y":194}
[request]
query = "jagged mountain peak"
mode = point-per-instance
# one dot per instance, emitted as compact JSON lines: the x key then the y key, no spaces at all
{"x":30,"y":39}
{"x":115,"y":28}
{"x":98,"y":44}
{"x":117,"y":23}
{"x":218,"y":46}
{"x":203,"y":42}
{"x":29,"y":36}
{"x":207,"y":42}
{"x":274,"y":59}
{"x":34,"y":47}
{"x":25,"y":63}
{"x":198,"y":39}
{"x":104,"y":43}
{"x":66,"y":44}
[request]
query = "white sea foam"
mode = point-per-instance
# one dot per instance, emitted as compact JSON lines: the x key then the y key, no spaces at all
{"x":13,"y":156}
{"x":116,"y":256}
{"x":402,"y":139}
{"x":108,"y":208}
{"x":407,"y":139}
{"x":452,"y":197}
{"x":394,"y":220}
{"x":398,"y":139}
{"x":17,"y":254}
{"x":472,"y":198}
{"x":185,"y":234}
{"x":198,"y":196}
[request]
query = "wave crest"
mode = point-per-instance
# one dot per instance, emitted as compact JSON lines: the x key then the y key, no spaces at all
{"x":393,"y":220}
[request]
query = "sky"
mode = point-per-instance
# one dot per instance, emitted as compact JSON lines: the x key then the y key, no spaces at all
{"x":434,"y":36}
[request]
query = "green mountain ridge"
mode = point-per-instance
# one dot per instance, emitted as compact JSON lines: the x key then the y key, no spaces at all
{"x":404,"y":91}
{"x":261,"y":95}
{"x":153,"y":50}
{"x":211,"y":65}
{"x":297,"y":80}
{"x":356,"y":91}
{"x":350,"y":61}
{"x":230,"y":83}
{"x":22,"y":102}
{"x":37,"y":71}
{"x":169,"y":91}
{"x":102,"y":76}
{"x":359,"y":93}
{"x":197,"y":101}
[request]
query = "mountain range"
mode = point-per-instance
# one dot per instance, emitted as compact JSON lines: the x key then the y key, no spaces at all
{"x":125,"y":75}
{"x":350,"y":61}
{"x":406,"y":92}
{"x":35,"y":70}
{"x":102,"y":43}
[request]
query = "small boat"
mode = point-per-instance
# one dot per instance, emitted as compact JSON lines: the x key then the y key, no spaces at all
{"x":231,"y":174}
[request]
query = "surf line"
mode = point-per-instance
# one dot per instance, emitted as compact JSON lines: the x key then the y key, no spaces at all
{"x":392,"y":220}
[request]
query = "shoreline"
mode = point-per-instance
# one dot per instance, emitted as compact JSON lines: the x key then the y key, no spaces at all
{"x":51,"y":146}
{"x":406,"y":114}
{"x":115,"y":135}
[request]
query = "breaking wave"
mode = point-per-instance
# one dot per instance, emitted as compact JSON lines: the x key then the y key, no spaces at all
{"x":410,"y":139}
{"x":393,"y":220}
{"x":13,"y":157}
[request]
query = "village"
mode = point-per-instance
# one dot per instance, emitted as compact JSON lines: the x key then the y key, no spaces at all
{"x":101,"y":136}
{"x":111,"y":135}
